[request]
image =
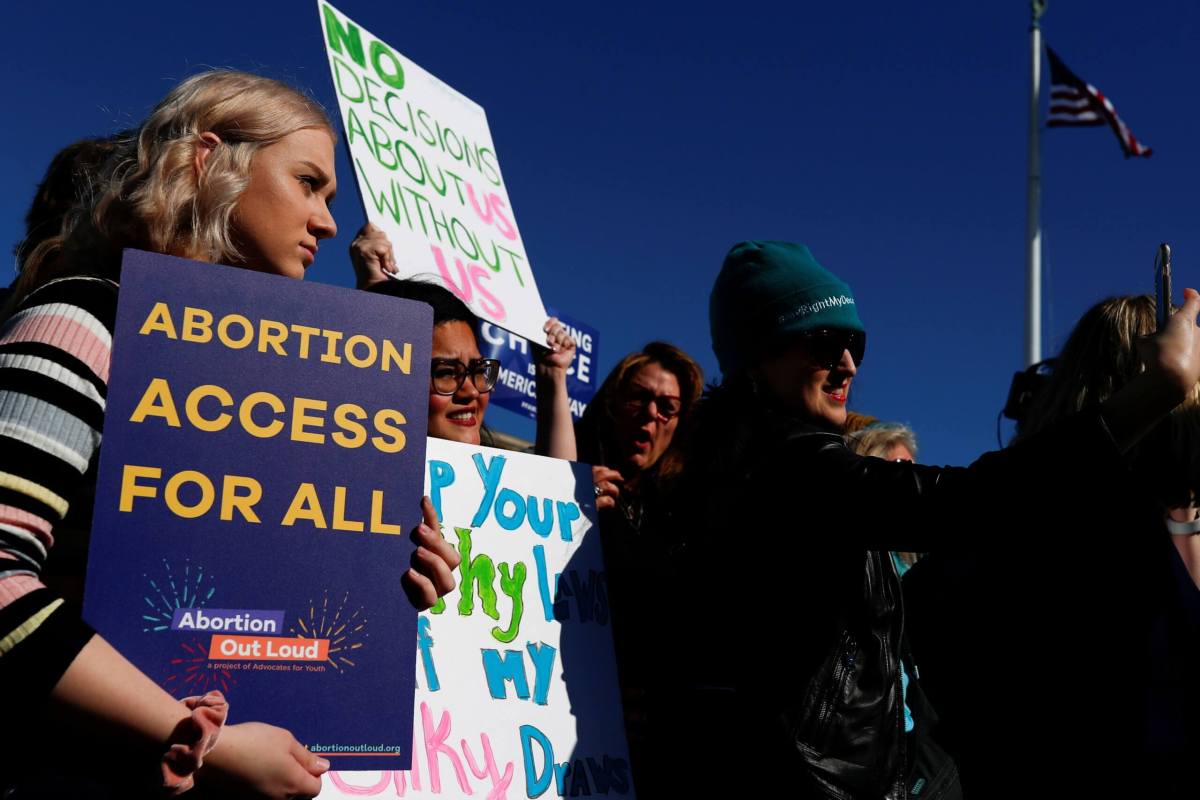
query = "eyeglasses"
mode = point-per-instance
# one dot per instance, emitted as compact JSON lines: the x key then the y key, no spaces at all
{"x":449,"y":374}
{"x":666,"y":407}
{"x":826,"y":345}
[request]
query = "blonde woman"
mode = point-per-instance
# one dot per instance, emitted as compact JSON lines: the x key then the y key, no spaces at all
{"x":231,"y":168}
{"x":890,"y":441}
{"x":1077,"y":644}
{"x":1101,"y":356}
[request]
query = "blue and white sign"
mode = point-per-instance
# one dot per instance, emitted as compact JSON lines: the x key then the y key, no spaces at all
{"x":516,"y":389}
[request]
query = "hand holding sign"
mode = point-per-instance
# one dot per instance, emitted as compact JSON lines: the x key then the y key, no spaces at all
{"x":267,"y":759}
{"x":431,"y":574}
{"x":554,"y":359}
{"x":251,"y":499}
{"x":521,"y":364}
{"x":372,"y":256}
{"x":607,"y":484}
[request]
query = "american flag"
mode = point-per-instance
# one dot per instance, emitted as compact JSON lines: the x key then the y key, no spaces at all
{"x":1075,"y":102}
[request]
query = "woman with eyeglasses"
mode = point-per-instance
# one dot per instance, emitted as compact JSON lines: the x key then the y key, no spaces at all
{"x":461,"y":380}
{"x":801,"y":683}
{"x":630,"y":426}
{"x":631,"y":433}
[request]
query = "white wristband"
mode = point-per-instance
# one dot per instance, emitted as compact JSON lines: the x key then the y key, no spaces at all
{"x":1183,"y":528}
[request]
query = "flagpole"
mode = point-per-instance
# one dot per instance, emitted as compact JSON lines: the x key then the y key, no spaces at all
{"x":1033,"y":203}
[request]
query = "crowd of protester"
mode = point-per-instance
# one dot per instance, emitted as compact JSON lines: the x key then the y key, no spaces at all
{"x":1029,"y":624}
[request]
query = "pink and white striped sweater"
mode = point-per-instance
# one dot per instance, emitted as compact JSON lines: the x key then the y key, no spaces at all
{"x":54,"y":361}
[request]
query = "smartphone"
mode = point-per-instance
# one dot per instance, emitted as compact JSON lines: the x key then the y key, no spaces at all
{"x":1162,"y":285}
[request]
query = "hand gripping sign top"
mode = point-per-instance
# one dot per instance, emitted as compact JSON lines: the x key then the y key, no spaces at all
{"x":429,"y":176}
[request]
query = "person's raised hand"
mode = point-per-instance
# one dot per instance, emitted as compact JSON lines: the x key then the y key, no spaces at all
{"x":433,"y":562}
{"x":372,"y":256}
{"x":556,"y":355}
{"x":1173,"y":355}
{"x":1172,"y":361}
{"x":257,"y":760}
{"x":607,"y":484}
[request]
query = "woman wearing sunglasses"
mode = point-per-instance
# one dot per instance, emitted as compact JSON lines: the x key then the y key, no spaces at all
{"x":805,"y":688}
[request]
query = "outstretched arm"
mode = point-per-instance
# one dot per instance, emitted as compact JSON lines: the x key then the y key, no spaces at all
{"x":104,"y":699}
{"x":555,"y":429}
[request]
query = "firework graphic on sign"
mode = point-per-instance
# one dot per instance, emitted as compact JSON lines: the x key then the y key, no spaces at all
{"x":191,"y":588}
{"x":192,"y":674}
{"x":342,"y":626}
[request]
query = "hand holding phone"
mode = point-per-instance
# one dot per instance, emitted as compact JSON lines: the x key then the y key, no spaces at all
{"x":1162,"y":285}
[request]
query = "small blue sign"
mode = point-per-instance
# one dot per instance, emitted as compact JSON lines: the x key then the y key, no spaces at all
{"x":516,"y":389}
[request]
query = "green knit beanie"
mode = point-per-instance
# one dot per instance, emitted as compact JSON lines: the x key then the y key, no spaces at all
{"x":767,"y":290}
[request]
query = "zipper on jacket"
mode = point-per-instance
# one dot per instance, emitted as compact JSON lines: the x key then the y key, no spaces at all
{"x":837,"y":683}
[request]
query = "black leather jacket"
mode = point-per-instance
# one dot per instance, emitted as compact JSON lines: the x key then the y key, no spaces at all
{"x":818,"y":710}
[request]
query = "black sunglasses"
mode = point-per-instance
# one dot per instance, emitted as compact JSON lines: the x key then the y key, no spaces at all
{"x":447,"y":375}
{"x":826,"y":345}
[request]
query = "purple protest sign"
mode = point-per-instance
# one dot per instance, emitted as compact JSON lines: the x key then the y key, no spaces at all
{"x":263,"y":455}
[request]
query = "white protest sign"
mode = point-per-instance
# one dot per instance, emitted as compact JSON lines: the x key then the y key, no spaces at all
{"x":516,"y":679}
{"x":429,"y":177}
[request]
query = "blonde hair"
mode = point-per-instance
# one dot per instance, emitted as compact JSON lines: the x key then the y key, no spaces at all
{"x":878,"y":438}
{"x":148,"y":195}
{"x":1099,"y":358}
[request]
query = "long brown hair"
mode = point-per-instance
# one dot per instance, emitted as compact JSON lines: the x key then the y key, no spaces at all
{"x":595,"y":429}
{"x":148,"y":195}
{"x":1101,"y":356}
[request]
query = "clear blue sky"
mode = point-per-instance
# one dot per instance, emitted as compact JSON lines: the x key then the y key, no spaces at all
{"x":638,"y":143}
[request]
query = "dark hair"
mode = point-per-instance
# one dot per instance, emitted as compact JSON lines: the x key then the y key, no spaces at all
{"x":446,"y":305}
{"x":69,"y":182}
{"x":595,"y":429}
{"x":446,"y":308}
